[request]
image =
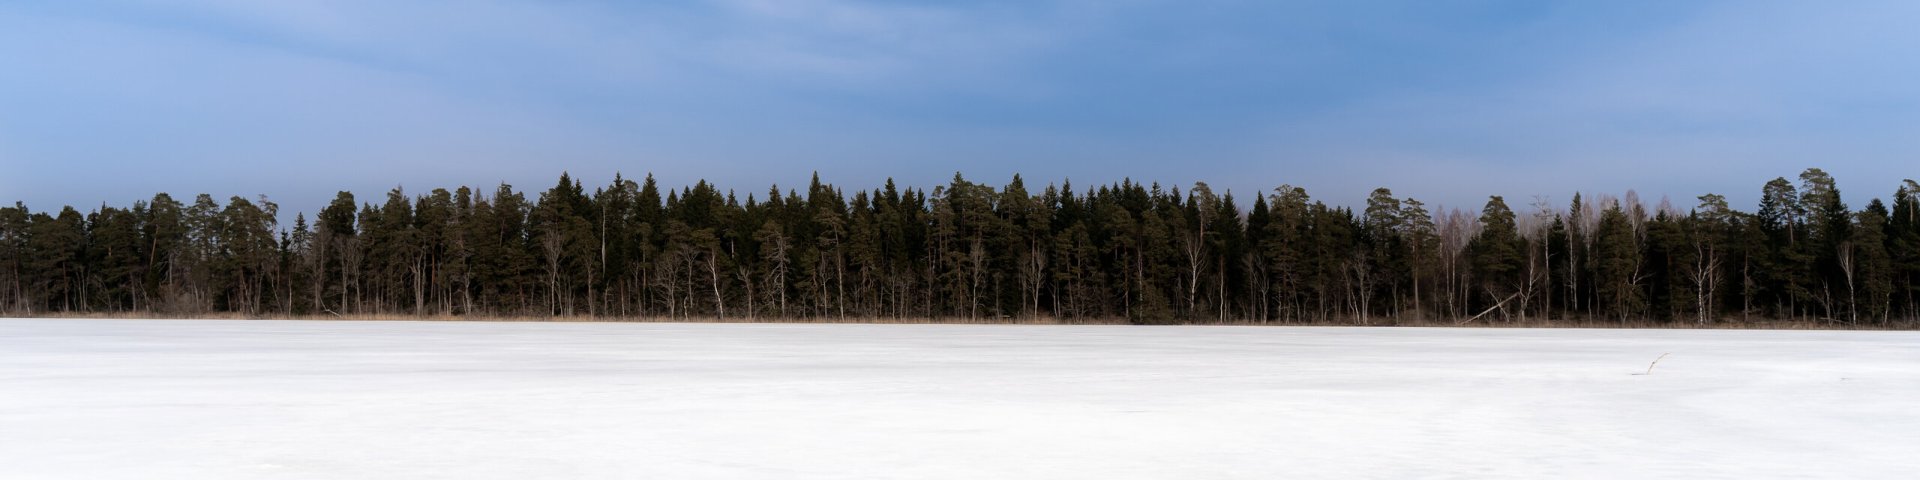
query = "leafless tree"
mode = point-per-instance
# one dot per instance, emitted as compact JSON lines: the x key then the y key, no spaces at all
{"x":1845,"y":257}
{"x":1711,"y":218}
{"x":1194,"y":244}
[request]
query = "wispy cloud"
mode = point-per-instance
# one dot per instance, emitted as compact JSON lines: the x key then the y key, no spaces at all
{"x":1736,"y":94}
{"x":1448,"y":103}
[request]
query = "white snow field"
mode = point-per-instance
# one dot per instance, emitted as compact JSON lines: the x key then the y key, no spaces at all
{"x":243,"y":399}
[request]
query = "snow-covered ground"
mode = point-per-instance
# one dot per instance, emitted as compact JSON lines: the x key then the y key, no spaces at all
{"x":149,"y":399}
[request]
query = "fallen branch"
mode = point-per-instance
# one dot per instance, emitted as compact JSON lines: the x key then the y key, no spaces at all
{"x":1656,"y":361}
{"x":329,"y":310}
{"x":1489,"y":310}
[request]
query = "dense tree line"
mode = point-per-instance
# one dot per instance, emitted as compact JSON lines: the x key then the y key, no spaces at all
{"x":1119,"y":252}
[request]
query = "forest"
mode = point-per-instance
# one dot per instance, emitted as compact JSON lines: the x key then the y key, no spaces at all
{"x":970,"y":252}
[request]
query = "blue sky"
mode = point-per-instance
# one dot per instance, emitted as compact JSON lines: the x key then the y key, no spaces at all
{"x":1444,"y":101}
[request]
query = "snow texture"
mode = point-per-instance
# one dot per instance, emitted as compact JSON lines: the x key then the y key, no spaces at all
{"x":146,"y":399}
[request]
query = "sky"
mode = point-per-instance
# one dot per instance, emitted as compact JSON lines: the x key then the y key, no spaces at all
{"x":1447,"y":102}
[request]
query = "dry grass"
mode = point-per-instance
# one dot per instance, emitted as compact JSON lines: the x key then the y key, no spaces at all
{"x":407,"y":317}
{"x":1767,"y":324}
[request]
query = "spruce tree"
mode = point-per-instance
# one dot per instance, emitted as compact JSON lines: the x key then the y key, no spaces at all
{"x":1497,"y":252}
{"x":1618,"y":271}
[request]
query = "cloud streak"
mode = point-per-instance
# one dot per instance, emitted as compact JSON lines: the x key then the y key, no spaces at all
{"x":296,"y":99}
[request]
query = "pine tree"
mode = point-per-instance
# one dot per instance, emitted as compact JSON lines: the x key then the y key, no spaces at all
{"x":15,"y":230}
{"x":1385,"y":224}
{"x":1422,"y":250}
{"x":1497,"y":253}
{"x":1829,"y":227}
{"x":335,"y":243}
{"x":114,"y":259}
{"x":302,"y":269}
{"x":1618,"y":271}
{"x":1708,"y":231}
{"x":1868,"y":266}
{"x":249,"y":256}
{"x":1903,"y":248}
{"x":1121,"y":251}
{"x":1780,"y":216}
{"x":54,"y":261}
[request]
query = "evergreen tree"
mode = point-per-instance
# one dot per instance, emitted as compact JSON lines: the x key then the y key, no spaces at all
{"x":15,"y":230}
{"x":1709,"y":230}
{"x":302,"y":270}
{"x":1780,"y":217}
{"x":1867,"y":266}
{"x":337,"y":246}
{"x":1497,"y":252}
{"x":1127,"y":250}
{"x":54,"y":261}
{"x":1618,"y":271}
{"x":114,"y":258}
{"x":1829,"y":228}
{"x":1384,"y":253}
{"x":1903,"y":249}
{"x":248,"y":259}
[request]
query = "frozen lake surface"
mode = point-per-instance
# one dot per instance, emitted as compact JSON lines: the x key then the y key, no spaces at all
{"x":143,"y":399}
